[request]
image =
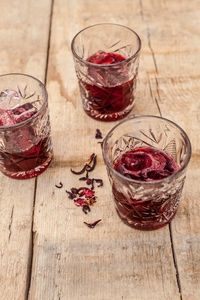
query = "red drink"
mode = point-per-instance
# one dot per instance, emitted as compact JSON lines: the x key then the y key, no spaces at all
{"x":107,"y":93}
{"x":18,"y":162}
{"x":25,"y":143}
{"x":146,"y":164}
{"x":27,"y":164}
{"x":146,"y":182}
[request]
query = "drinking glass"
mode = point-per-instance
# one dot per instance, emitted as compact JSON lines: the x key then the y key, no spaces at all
{"x":25,"y":143}
{"x":152,"y":204}
{"x":106,"y":58}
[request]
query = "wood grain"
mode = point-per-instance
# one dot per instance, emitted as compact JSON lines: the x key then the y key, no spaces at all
{"x":23,"y":48}
{"x":176,"y":86}
{"x":66,"y":259}
{"x":112,"y":261}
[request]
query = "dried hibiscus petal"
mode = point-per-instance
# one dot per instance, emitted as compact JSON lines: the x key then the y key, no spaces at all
{"x":74,"y":190}
{"x":92,"y":225}
{"x":59,"y":186}
{"x":83,"y":196}
{"x":71,"y":195}
{"x":87,"y":193}
{"x":79,"y":202}
{"x":83,"y":178}
{"x":88,"y":166}
{"x":98,"y":134}
{"x":86,"y":209}
{"x":79,"y":172}
{"x":99,"y":181}
{"x":89,"y":181}
{"x":90,"y":201}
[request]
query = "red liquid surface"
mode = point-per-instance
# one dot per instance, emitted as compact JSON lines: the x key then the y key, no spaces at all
{"x":108,"y":99}
{"x":22,"y":158}
{"x":147,"y":165}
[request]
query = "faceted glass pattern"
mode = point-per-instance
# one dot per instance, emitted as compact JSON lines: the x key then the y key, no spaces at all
{"x":147,"y":205}
{"x":106,"y":60}
{"x":25,"y":143}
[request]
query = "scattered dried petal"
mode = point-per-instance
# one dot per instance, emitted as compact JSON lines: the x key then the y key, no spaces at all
{"x":83,"y":196}
{"x":89,"y":193}
{"x":79,"y":172}
{"x":93,"y":163}
{"x":74,"y":190}
{"x":92,"y":225}
{"x":79,"y":202}
{"x":90,"y":201}
{"x":83,"y":178}
{"x":98,"y":134}
{"x":91,"y":158}
{"x":89,"y":181}
{"x":86,"y":209}
{"x":88,"y":166}
{"x":71,"y":195}
{"x":99,"y":181}
{"x":59,"y":186}
{"x":86,"y":192}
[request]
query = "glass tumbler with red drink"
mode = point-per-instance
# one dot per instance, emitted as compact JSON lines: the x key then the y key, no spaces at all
{"x":25,"y":143}
{"x":106,"y":60}
{"x":146,"y":159}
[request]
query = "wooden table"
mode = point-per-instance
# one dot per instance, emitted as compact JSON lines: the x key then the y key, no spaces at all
{"x":46,"y":252}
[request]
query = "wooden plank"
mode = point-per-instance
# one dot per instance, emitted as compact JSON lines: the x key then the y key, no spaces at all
{"x":24,"y":36}
{"x":176,"y":85}
{"x":111,"y":261}
{"x":16,"y":203}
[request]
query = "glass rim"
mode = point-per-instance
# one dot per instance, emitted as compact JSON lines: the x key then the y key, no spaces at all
{"x":106,"y":65}
{"x":130,"y":180}
{"x":7,"y":127}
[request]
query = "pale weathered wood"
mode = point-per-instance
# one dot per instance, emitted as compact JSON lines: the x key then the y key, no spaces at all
{"x":174,"y":35}
{"x":111,"y":261}
{"x":24,"y":27}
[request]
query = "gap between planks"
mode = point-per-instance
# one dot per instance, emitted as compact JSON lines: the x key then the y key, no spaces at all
{"x":157,"y":103}
{"x":31,"y":250}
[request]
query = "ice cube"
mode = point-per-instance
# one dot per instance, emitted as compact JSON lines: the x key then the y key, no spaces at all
{"x":6,"y":117}
{"x":24,"y":112}
{"x":19,"y":139}
{"x":9,"y":98}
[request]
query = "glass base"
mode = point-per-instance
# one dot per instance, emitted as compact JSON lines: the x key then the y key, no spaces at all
{"x":30,"y":173}
{"x":108,"y":117}
{"x":146,"y":225}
